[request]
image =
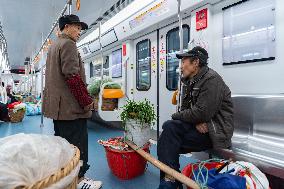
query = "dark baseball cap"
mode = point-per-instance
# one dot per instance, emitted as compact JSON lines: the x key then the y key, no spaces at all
{"x":71,"y":19}
{"x":195,"y":52}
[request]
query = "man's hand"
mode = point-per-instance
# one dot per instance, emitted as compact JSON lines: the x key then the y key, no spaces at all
{"x":202,"y":128}
{"x":89,"y":107}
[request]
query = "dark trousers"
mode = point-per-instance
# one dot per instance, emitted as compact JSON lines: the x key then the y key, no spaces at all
{"x":4,"y":112}
{"x":76,"y":133}
{"x":177,"y":136}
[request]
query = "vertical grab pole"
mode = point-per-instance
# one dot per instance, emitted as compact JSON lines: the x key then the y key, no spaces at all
{"x":41,"y":75}
{"x":181,"y":51}
{"x":69,"y":7}
{"x":101,"y":51}
{"x":102,"y":66}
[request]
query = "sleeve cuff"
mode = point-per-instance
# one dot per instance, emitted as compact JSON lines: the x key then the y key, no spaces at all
{"x":79,"y":90}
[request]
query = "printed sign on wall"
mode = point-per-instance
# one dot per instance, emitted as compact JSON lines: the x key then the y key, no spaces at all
{"x":201,"y":19}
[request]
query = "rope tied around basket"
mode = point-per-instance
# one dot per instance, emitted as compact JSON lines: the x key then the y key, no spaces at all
{"x":199,"y":178}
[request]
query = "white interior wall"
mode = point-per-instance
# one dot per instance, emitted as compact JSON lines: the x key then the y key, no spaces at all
{"x":87,"y":71}
{"x":254,"y":78}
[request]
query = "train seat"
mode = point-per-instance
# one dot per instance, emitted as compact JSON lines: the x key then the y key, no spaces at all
{"x":259,"y":133}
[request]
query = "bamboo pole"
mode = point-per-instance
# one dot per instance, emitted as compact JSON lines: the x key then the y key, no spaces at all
{"x":178,"y":176}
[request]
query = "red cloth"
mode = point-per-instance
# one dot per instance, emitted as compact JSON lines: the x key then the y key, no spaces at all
{"x":79,"y":90}
{"x":11,"y":106}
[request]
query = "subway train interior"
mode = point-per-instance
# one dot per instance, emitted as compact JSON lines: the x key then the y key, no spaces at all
{"x":92,"y":94}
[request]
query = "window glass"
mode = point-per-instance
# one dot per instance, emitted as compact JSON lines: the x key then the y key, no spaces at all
{"x":91,"y":70}
{"x":106,"y":66}
{"x":116,"y":64}
{"x":97,"y":70}
{"x":143,"y":81}
{"x":172,"y":49}
{"x":95,"y":67}
{"x":249,"y":32}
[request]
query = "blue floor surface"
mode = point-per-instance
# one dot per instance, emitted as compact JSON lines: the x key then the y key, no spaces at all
{"x":99,"y":169}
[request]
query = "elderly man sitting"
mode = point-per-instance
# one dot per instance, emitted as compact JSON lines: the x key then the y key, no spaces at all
{"x":206,"y":117}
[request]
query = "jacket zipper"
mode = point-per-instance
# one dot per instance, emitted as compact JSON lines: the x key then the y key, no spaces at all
{"x":213,"y":125}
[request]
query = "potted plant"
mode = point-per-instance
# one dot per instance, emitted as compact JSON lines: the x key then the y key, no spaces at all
{"x":94,"y":89}
{"x":137,"y":117}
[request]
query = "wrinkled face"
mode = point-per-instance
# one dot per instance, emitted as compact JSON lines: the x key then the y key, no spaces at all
{"x":73,"y":31}
{"x":189,"y":68}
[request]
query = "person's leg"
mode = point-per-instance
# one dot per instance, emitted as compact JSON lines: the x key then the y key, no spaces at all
{"x":175,"y":136}
{"x":76,"y":133}
{"x":170,"y":142}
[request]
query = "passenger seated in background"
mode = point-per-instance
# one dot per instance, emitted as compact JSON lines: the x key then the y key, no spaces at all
{"x":3,"y":106}
{"x":10,"y":94}
{"x":205,"y":119}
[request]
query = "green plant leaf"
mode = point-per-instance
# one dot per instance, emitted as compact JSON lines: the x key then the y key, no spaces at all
{"x":141,"y":111}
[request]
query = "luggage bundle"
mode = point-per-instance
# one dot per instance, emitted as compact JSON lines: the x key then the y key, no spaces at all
{"x":221,"y":174}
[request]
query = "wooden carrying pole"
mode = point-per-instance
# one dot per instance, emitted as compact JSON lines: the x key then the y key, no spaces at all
{"x":178,"y":176}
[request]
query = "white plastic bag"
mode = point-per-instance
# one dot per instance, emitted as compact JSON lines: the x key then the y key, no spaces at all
{"x":254,"y":177}
{"x":27,"y":158}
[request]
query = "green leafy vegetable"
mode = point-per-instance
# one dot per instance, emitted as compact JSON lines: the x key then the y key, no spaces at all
{"x":142,"y":111}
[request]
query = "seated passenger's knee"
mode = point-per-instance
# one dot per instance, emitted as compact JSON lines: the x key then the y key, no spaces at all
{"x":168,"y":125}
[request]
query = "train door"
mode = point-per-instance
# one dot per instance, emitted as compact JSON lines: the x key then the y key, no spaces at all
{"x":169,"y":66}
{"x":145,"y":68}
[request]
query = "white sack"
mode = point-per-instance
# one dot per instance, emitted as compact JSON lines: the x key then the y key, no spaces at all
{"x":27,"y":158}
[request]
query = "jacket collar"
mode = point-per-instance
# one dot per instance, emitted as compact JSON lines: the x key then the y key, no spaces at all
{"x":203,"y":70}
{"x":65,"y":36}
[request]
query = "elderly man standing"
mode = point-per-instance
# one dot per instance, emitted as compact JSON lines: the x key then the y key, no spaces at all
{"x":206,"y":117}
{"x":66,"y":99}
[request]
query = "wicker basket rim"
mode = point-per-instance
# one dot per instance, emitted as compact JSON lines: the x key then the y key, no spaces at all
{"x":60,"y":174}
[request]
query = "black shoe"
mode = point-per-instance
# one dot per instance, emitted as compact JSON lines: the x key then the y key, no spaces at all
{"x":169,"y":185}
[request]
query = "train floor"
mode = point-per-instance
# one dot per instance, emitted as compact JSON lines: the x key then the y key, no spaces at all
{"x":99,"y":169}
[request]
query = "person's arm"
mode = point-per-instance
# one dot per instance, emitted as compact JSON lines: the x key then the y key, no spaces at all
{"x":70,"y":69}
{"x":208,"y":103}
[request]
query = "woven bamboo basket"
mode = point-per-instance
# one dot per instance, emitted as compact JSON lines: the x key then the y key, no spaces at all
{"x":60,"y":174}
{"x":17,"y":116}
{"x":108,"y":104}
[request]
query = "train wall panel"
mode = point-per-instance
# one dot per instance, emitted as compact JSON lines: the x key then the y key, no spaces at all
{"x":262,"y":77}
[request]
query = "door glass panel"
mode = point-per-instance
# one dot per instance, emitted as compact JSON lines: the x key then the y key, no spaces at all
{"x":143,"y":71}
{"x":106,"y":66}
{"x":116,"y":64}
{"x":96,"y":67}
{"x":172,"y":49}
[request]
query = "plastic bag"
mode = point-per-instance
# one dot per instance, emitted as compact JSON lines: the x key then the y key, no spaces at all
{"x":25,"y":159}
{"x":255,"y":179}
{"x":213,"y":179}
{"x":33,"y":109}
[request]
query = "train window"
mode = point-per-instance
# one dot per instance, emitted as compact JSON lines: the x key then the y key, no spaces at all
{"x":95,"y":67}
{"x":143,"y":64}
{"x":106,"y":65}
{"x":97,"y":70}
{"x":246,"y":22}
{"x":116,"y":64}
{"x":172,"y":65}
{"x":91,"y":70}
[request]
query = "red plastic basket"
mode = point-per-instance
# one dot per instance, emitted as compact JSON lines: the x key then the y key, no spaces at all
{"x":126,"y":164}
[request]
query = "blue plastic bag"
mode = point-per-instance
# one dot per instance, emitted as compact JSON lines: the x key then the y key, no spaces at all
{"x":33,"y":110}
{"x":216,"y":180}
